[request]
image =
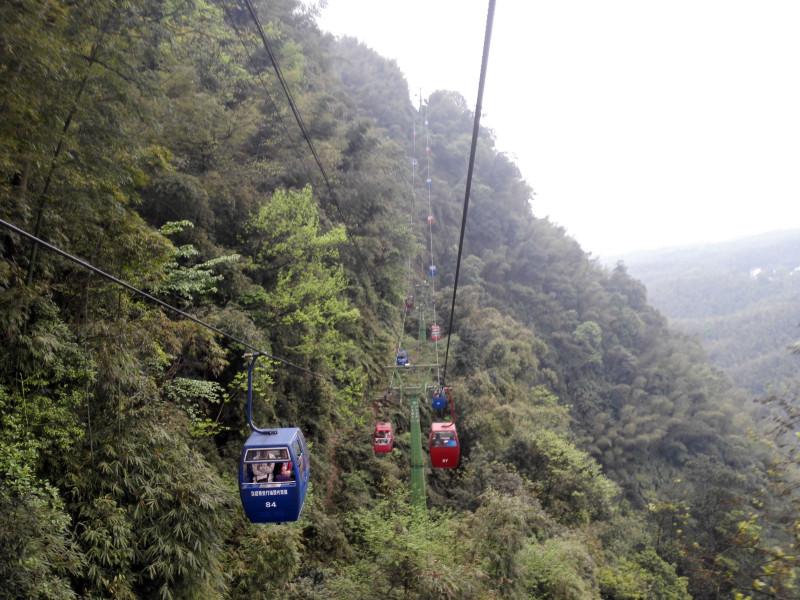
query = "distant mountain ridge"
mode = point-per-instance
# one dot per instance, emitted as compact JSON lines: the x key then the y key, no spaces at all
{"x":776,"y":249}
{"x":742,"y":298}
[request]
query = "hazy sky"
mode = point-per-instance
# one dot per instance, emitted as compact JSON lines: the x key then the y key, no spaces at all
{"x":639,"y":124}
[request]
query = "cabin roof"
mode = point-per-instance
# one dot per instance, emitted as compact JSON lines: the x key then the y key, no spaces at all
{"x":283,"y":436}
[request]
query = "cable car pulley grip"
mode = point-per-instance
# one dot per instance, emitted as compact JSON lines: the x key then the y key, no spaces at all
{"x":253,"y":358}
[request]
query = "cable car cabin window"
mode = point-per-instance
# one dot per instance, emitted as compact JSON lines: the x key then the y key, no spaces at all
{"x":271,"y":454}
{"x":269,"y":465}
{"x":298,"y":452}
{"x":444,"y":439}
{"x":285,"y":474}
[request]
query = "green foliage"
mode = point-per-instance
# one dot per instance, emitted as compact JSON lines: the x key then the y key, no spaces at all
{"x":738,"y":297}
{"x":558,"y":568}
{"x":186,"y":282}
{"x":196,"y":397}
{"x":405,"y":552}
{"x":161,"y":507}
{"x":645,"y":575}
{"x":569,"y":483}
{"x":297,"y":263}
{"x":301,"y":292}
{"x":37,"y":552}
{"x":264,"y":560}
{"x":106,"y":534}
{"x":499,"y":529}
{"x":589,"y":337}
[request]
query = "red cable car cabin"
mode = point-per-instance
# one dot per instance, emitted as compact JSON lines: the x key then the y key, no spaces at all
{"x":444,"y":447}
{"x":383,"y":438}
{"x":436,"y":333}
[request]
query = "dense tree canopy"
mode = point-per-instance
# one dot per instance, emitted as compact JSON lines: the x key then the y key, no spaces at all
{"x":739,"y":298}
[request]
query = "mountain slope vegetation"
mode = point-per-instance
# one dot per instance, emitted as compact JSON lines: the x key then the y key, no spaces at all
{"x":739,"y":298}
{"x":602,"y":457}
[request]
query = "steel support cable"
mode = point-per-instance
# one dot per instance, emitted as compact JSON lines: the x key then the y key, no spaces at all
{"x":413,"y":167}
{"x":409,"y":268}
{"x":429,"y":183}
{"x":475,"y":130}
{"x":304,"y":131}
{"x":87,"y":265}
{"x":413,"y":191}
{"x":399,"y":343}
{"x":276,"y":111}
{"x":295,"y":111}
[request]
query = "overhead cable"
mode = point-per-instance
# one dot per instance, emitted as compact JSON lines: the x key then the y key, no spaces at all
{"x":475,"y":130}
{"x":301,"y":124}
{"x":429,"y":184}
{"x":87,"y":265}
{"x":276,"y":111}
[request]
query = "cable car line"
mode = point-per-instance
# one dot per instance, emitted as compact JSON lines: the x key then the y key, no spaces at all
{"x":300,"y":157}
{"x":87,"y":265}
{"x":398,"y":346}
{"x":304,"y":131}
{"x":429,"y":184}
{"x":413,"y":173}
{"x":475,"y":130}
{"x":290,"y":98}
{"x":274,"y":466}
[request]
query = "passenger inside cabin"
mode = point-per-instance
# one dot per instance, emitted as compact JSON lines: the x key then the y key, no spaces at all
{"x":437,"y":439}
{"x":445,"y":438}
{"x":263,"y":472}
{"x":285,"y":473}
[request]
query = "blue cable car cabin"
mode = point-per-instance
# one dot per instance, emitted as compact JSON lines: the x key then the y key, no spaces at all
{"x":438,"y":400}
{"x":273,"y":475}
{"x":402,"y":358}
{"x":432,"y":270}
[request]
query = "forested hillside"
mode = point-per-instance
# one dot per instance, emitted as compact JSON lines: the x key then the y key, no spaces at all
{"x":739,"y":297}
{"x":602,"y":457}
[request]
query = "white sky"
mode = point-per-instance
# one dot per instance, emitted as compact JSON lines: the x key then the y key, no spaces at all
{"x":639,"y":124}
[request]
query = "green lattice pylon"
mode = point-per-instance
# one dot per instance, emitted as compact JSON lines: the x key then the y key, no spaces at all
{"x":417,"y":465}
{"x":421,"y":323}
